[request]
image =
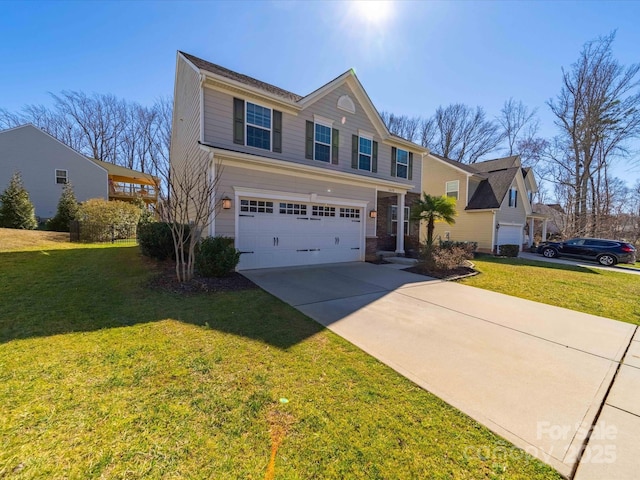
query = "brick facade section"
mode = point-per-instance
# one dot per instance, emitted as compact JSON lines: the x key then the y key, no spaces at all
{"x":387,"y":241}
{"x":371,"y":247}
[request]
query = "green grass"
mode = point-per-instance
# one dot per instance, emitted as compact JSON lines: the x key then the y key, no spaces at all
{"x":101,"y":377}
{"x":589,"y":290}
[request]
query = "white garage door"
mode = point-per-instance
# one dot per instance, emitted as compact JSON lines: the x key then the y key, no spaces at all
{"x":510,"y":235}
{"x":275,"y":233}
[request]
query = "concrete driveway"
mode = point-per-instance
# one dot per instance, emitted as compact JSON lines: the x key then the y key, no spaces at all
{"x":579,"y":263}
{"x":538,"y":375}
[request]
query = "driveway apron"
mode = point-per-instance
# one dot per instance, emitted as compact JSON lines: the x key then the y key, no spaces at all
{"x":535,"y":374}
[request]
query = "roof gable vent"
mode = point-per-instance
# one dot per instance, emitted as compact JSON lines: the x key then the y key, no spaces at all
{"x":345,"y":103}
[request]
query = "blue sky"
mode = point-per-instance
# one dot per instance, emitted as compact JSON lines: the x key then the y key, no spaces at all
{"x":421,"y":55}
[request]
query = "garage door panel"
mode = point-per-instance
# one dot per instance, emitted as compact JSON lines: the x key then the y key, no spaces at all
{"x":295,"y":233}
{"x":510,"y":235}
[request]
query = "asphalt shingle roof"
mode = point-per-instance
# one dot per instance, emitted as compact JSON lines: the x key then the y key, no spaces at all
{"x":493,"y":189}
{"x":239,"y":77}
{"x":497,"y":176}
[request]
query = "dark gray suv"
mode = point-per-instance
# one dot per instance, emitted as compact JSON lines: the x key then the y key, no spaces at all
{"x":605,"y":252}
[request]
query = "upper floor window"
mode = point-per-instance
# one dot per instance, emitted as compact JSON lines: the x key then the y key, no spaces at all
{"x":530,"y":196}
{"x":322,"y":143}
{"x":364,"y":153}
{"x":513,"y":197}
{"x":402,"y":163}
{"x":62,"y":177}
{"x":452,"y":189}
{"x":258,"y":126}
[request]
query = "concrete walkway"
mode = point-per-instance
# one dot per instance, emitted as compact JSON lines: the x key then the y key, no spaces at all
{"x":535,"y":374}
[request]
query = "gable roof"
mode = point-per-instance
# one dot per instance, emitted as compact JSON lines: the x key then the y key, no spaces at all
{"x":496,"y":164}
{"x":119,"y":171}
{"x":241,"y":78}
{"x":497,"y":176}
{"x":492,"y":190}
{"x":301,"y":102}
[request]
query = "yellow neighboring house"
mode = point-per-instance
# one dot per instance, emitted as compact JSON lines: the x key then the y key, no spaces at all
{"x":493,"y":200}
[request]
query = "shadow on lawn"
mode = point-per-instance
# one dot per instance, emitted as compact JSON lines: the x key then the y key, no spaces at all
{"x":83,"y":290}
{"x":536,"y":263}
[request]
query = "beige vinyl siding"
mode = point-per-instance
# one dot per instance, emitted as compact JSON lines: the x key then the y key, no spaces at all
{"x":285,"y":182}
{"x":185,"y":132}
{"x":37,"y":155}
{"x":218,"y":130}
{"x":469,"y":227}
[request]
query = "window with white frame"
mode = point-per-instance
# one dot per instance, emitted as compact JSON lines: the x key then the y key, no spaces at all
{"x":258,"y":124}
{"x":452,"y":188}
{"x":365,"y":150}
{"x":513,"y":197}
{"x":402,"y":163}
{"x":322,"y":144}
{"x":62,"y":177}
{"x":393,"y":215}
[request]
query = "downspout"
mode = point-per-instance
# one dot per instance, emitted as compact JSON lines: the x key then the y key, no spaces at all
{"x":202,"y":80}
{"x":493,"y":230}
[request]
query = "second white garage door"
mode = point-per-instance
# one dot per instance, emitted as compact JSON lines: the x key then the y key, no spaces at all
{"x":275,"y":233}
{"x":510,"y":235}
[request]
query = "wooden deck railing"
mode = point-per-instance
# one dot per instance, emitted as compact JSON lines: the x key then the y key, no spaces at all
{"x":132,"y":190}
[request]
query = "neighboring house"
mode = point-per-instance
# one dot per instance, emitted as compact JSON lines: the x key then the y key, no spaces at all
{"x":46,"y":165}
{"x":493,"y":200}
{"x":127,"y":184}
{"x":311,"y":179}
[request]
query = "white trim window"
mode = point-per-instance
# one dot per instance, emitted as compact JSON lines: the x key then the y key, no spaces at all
{"x":513,"y":197}
{"x":322,"y":142}
{"x":394,"y":220}
{"x":402,"y":163}
{"x":258,"y":126}
{"x":452,"y":189}
{"x":62,"y":177}
{"x":365,"y":153}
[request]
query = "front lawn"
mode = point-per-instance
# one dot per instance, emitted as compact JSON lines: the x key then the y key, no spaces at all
{"x":589,"y":290}
{"x":102,"y":377}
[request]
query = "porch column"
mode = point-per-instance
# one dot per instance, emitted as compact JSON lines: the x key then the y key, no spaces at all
{"x":400,"y":229}
{"x":531,"y":222}
{"x":544,"y":230}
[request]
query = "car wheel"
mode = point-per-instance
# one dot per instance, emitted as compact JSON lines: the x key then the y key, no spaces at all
{"x":607,"y":260}
{"x":549,"y":253}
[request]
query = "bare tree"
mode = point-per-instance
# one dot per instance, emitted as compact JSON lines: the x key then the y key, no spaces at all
{"x":104,"y":127}
{"x":598,"y":113}
{"x":189,"y":206}
{"x":518,"y":123}
{"x":402,"y":125}
{"x":461,"y":133}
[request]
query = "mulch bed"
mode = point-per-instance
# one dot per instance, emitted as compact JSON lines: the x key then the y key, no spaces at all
{"x":455,"y":273}
{"x":166,"y":281}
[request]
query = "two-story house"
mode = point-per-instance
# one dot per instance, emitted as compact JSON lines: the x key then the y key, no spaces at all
{"x":303,"y":177}
{"x":493,"y":201}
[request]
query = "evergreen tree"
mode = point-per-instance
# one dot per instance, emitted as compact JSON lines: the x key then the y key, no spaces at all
{"x":67,"y":209}
{"x":16,"y":209}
